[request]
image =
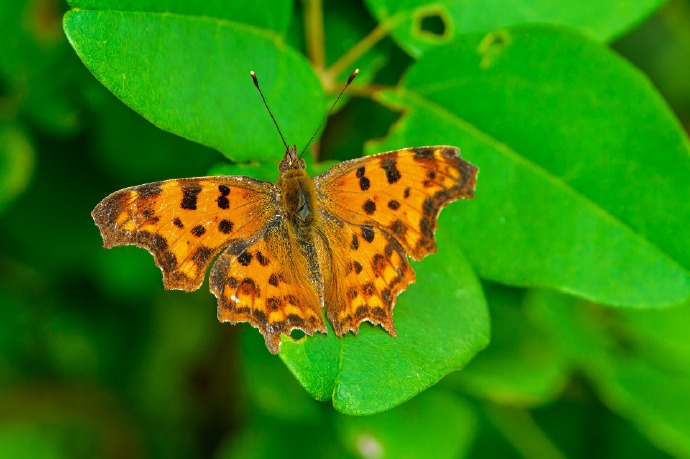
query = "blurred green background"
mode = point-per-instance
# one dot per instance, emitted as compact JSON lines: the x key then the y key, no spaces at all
{"x":97,"y":360}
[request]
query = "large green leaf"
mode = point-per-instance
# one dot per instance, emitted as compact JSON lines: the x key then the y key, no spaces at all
{"x":158,"y":155}
{"x":572,"y":192}
{"x":272,"y":14}
{"x":521,"y":366}
{"x":442,"y":322}
{"x":189,"y":75}
{"x":449,"y":18}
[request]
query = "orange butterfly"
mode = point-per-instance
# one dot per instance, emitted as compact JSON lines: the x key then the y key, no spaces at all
{"x":339,"y":241}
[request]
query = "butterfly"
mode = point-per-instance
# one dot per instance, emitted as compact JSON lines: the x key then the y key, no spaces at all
{"x":288,"y":250}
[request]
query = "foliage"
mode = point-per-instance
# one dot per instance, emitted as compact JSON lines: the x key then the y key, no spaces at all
{"x":571,"y":266}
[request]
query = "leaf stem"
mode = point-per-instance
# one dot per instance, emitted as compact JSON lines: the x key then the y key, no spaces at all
{"x":523,"y":433}
{"x":367,"y":90}
{"x":348,"y":59}
{"x":313,"y":27}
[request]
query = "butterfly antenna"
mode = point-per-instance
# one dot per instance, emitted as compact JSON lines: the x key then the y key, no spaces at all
{"x":349,"y":80}
{"x":256,"y":83}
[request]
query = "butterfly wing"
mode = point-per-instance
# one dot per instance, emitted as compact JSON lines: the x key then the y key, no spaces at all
{"x":266,"y":282}
{"x":401,"y":192}
{"x":185,"y":223}
{"x":368,"y":270}
{"x":378,"y":209}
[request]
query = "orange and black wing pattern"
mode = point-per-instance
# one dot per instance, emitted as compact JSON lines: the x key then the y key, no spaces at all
{"x":267,"y":283}
{"x":378,"y":210}
{"x":369,"y":270}
{"x":401,"y":192}
{"x":185,"y":223}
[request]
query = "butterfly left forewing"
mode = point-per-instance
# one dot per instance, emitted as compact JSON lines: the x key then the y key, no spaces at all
{"x":184,"y":223}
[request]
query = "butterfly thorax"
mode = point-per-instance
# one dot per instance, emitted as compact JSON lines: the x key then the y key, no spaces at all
{"x":298,"y":194}
{"x":298,"y":199}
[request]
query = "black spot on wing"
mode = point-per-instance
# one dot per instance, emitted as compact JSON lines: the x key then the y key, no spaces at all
{"x":429,"y":207}
{"x":225,"y":226}
{"x":368,"y":233}
{"x":202,"y":255}
{"x":399,"y":228}
{"x":198,"y":231}
{"x":248,"y":287}
{"x":424,"y":153}
{"x":245,"y":258}
{"x":354,"y":245}
{"x":149,"y":190}
{"x":263,"y":261}
{"x":392,"y":172}
{"x":273,"y":280}
{"x":369,"y":207}
{"x":379,"y":263}
{"x":273,"y":303}
{"x":223,"y":202}
{"x":368,"y":289}
{"x":189,"y":196}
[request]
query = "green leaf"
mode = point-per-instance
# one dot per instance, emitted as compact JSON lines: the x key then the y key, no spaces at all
{"x":442,"y":322}
{"x":272,"y":14}
{"x":158,"y":155}
{"x":636,"y":359}
{"x":266,"y":171}
{"x":190,"y":75}
{"x":421,"y":25}
{"x":16,"y":163}
{"x":571,"y":186}
{"x":435,"y":424}
{"x":522,"y":366}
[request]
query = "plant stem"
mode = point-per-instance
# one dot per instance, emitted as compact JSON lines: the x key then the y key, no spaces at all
{"x":366,"y":90}
{"x":518,"y":427}
{"x":313,"y":26}
{"x":348,"y":59}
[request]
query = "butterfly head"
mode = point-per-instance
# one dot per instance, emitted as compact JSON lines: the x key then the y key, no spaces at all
{"x":291,"y":161}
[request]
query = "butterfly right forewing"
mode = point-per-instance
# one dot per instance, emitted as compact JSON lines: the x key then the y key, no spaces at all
{"x":402,"y":192}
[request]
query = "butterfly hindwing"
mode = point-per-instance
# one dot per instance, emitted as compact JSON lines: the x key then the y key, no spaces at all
{"x":370,"y":269}
{"x":184,"y":223}
{"x":266,"y":283}
{"x":401,"y":192}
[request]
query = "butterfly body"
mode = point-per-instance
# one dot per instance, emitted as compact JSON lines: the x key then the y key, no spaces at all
{"x":338,"y":241}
